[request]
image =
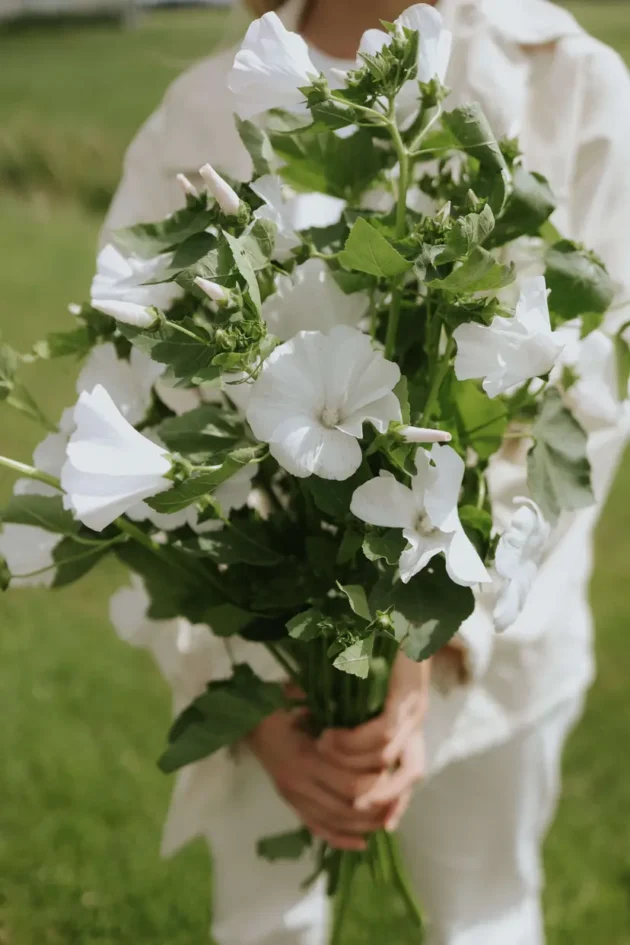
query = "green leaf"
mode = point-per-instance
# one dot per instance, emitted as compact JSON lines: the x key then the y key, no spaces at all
{"x":74,"y":560}
{"x":578,"y":281}
{"x":5,"y":574}
{"x":40,"y":511}
{"x":305,"y":626}
{"x":205,"y":429}
{"x":217,"y":265}
{"x":333,"y":498}
{"x":258,"y":242}
{"x":389,"y":546}
{"x":223,"y":715}
{"x":258,"y":145}
{"x":355,"y":659}
{"x":151,"y":239}
{"x":227,"y":619}
{"x":61,"y":344}
{"x":245,"y":267}
{"x":357,"y":599}
{"x":466,"y":233}
{"x":9,"y":361}
{"x":285,"y":846}
{"x":559,"y":473}
{"x":529,"y":206}
{"x":203,"y":483}
{"x":367,"y":250}
{"x":430,"y":609}
{"x":483,"y":421}
{"x":478,"y":526}
{"x":244,"y":542}
{"x":479,"y":272}
{"x":189,"y":359}
{"x":472,"y":133}
{"x":350,"y":544}
{"x":402,"y":392}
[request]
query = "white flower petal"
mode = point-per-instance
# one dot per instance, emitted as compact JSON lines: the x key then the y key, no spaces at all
{"x":120,"y":288}
{"x":310,"y":299}
{"x":270,"y":67}
{"x":444,"y":482}
{"x":463,"y":564}
{"x":130,"y":382}
{"x":109,"y":466}
{"x":27,"y":549}
{"x":129,"y":313}
{"x":422,"y":548}
{"x":518,"y":556}
{"x":384,"y":501}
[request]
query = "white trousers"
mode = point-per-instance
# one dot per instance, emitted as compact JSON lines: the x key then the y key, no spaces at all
{"x":471,"y":839}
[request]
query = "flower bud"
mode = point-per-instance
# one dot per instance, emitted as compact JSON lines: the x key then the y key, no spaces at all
{"x":213,"y":290}
{"x":225,"y":196}
{"x":424,"y":435}
{"x":189,"y":189}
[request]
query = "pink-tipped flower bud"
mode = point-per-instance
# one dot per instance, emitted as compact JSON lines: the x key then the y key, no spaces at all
{"x":225,"y":196}
{"x":213,"y":290}
{"x":189,"y":189}
{"x":424,"y":435}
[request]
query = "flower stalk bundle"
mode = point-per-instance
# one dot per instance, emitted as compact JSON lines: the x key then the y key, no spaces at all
{"x":287,"y":431}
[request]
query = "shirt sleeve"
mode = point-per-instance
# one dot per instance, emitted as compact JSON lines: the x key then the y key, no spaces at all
{"x":147,"y":191}
{"x":600,"y":197}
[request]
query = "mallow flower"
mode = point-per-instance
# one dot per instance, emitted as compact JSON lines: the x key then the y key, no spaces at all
{"x":310,"y":299}
{"x":427,"y":513}
{"x":511,"y":350}
{"x":313,"y":396}
{"x":270,"y":68}
{"x":119,"y":289}
{"x":434,"y":49}
{"x":594,"y":397}
{"x":517,"y":560}
{"x":109,"y":466}
{"x":28,"y":551}
{"x":131,"y":380}
{"x":279,"y":210}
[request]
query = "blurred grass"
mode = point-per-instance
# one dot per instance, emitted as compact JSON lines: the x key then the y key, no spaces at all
{"x":83,"y":716}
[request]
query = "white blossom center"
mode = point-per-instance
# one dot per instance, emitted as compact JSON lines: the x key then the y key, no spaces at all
{"x":330,"y":417}
{"x":424,"y":526}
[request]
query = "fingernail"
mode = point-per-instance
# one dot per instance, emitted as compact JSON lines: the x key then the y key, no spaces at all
{"x":392,"y":825}
{"x":361,"y":804}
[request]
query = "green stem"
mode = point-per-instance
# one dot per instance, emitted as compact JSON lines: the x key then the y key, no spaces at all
{"x":184,"y":331}
{"x":30,"y":472}
{"x":25,"y":403}
{"x":278,"y":655}
{"x":438,"y":379}
{"x":399,"y":876}
{"x":342,"y":899}
{"x":401,"y":227}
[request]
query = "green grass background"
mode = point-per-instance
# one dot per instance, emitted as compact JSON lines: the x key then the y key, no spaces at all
{"x":82,"y":716}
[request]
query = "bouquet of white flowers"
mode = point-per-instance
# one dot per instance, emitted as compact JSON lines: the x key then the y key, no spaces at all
{"x":286,"y":431}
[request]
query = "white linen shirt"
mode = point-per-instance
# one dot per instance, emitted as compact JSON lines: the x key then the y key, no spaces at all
{"x":534,"y":71}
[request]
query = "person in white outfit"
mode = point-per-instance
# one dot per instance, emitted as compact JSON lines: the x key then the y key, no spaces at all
{"x":500,"y":707}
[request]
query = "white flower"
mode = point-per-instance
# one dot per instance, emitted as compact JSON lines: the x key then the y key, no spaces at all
{"x":317,"y":210}
{"x":270,"y":68}
{"x":594,"y":397}
{"x":511,"y":350}
{"x":518,"y":557}
{"x":29,"y":549}
{"x":119,"y":289}
{"x":226,"y":197}
{"x":131,"y":381}
{"x":214,"y":291}
{"x":280,"y":211}
{"x":109,"y":466}
{"x":311,"y":299}
{"x":181,"y":650}
{"x":427,"y":513}
{"x":434,"y":48}
{"x":313,"y":396}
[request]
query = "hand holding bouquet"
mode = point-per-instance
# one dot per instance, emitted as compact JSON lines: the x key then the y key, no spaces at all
{"x":287,"y":431}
